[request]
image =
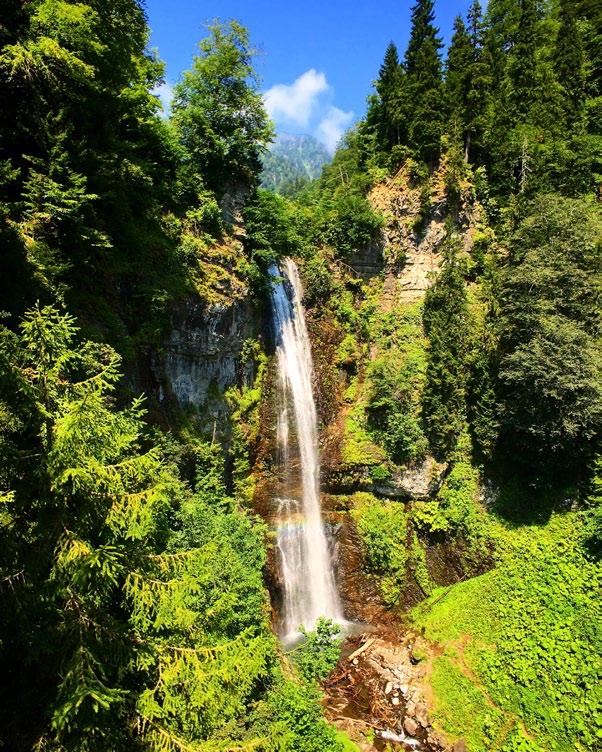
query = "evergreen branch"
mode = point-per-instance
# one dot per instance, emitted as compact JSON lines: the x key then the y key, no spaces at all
{"x":172,"y":742}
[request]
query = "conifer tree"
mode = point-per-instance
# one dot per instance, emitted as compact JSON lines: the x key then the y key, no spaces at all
{"x":481,"y":80}
{"x":522,"y":73}
{"x":446,"y":322}
{"x":389,"y":87}
{"x":569,"y":61}
{"x":458,"y":78}
{"x":424,"y":83}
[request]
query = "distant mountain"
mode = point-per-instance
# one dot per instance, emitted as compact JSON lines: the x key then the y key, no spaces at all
{"x":291,"y":162}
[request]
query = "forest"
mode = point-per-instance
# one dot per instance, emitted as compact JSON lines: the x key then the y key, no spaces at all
{"x":450,"y":260}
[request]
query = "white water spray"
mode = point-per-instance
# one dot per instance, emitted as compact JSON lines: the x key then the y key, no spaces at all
{"x":309,"y":585}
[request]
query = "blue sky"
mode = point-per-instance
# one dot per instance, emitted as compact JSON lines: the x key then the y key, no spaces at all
{"x":318,"y":57}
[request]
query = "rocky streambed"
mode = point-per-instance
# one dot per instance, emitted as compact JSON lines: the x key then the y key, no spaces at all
{"x":378,"y":694}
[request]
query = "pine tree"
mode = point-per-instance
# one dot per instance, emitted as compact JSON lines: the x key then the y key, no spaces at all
{"x":389,"y":87}
{"x":422,"y":30}
{"x":458,"y":78}
{"x":481,"y":80}
{"x":522,"y":72}
{"x":424,"y":84}
{"x":569,"y":62}
{"x":446,"y":323}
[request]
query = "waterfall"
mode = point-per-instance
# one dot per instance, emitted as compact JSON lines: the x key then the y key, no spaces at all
{"x":306,"y":566}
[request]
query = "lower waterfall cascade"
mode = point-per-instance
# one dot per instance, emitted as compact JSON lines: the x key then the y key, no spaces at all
{"x":305,"y":561}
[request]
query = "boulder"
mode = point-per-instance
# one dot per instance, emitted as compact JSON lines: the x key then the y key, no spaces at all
{"x":422,"y":715}
{"x":411,"y":726}
{"x":420,"y":482}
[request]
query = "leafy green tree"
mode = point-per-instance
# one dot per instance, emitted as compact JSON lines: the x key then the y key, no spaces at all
{"x":319,"y":653}
{"x":218,"y":112}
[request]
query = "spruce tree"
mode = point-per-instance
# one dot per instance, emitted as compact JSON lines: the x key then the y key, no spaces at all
{"x":569,"y":62}
{"x":424,"y":84}
{"x":481,"y":79}
{"x":446,"y":323}
{"x":459,"y":69}
{"x":422,"y":30}
{"x":522,"y":73}
{"x":389,"y":87}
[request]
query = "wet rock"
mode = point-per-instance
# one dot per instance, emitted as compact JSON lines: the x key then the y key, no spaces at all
{"x":411,"y":726}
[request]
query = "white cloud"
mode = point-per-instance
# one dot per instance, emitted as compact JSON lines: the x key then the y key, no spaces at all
{"x":296,"y":102}
{"x":331,"y":128}
{"x":306,"y":105}
{"x":165,"y":93}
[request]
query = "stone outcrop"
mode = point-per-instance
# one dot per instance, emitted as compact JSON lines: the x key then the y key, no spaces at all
{"x":420,"y":482}
{"x":417,"y":482}
{"x":202,"y":356}
{"x":409,"y":249}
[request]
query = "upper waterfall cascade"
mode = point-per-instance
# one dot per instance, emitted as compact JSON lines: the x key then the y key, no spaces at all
{"x":306,"y":564}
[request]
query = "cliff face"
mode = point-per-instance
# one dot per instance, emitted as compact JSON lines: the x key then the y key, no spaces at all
{"x":395,"y":273}
{"x":203,"y":354}
{"x":415,"y":227}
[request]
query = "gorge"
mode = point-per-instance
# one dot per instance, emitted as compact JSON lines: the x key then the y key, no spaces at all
{"x":300,"y":463}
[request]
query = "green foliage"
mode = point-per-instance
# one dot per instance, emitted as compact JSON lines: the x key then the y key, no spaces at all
{"x":350,"y":224}
{"x":218,"y":113}
{"x":319,"y":653}
{"x":593,"y":514}
{"x":424,"y":83}
{"x":244,"y":403}
{"x":293,"y":718}
{"x":462,"y":709}
{"x":395,"y":382}
{"x":446,"y":322}
{"x":382,"y":526}
{"x":386,"y":111}
{"x":154,"y":594}
{"x":273,"y":231}
{"x":569,"y":62}
{"x":521,"y":636}
{"x":418,"y":566}
{"x":550,"y":370}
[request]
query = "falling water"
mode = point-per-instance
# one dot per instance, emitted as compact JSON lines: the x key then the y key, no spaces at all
{"x":307,"y":573}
